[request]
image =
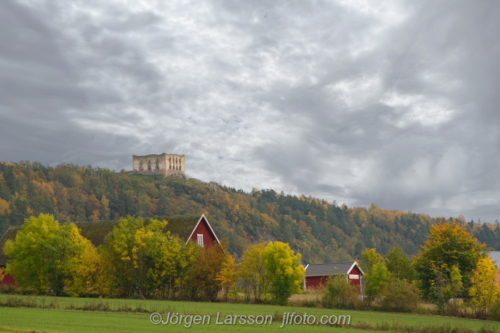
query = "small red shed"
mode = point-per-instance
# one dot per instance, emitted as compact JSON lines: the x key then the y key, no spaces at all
{"x":318,"y":274}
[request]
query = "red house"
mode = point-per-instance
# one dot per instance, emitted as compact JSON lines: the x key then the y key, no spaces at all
{"x":318,"y":274}
{"x":194,"y":228}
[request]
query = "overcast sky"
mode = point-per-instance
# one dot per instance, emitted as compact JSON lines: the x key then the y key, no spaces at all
{"x":391,"y":102}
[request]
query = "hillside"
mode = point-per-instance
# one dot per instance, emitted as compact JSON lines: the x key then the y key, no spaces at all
{"x":321,"y":231}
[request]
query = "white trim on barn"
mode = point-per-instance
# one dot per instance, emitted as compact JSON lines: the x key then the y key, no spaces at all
{"x":209,"y":226}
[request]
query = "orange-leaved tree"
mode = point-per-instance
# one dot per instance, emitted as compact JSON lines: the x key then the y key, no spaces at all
{"x":449,"y":245}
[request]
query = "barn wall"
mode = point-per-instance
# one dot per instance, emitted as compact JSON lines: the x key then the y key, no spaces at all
{"x":8,"y":280}
{"x":355,"y":271}
{"x":208,"y":238}
{"x":316,"y":282}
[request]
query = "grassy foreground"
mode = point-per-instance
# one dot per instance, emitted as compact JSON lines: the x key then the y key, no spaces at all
{"x":53,"y":314}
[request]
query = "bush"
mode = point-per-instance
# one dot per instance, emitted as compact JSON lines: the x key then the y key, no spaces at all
{"x":494,"y":310}
{"x":340,"y":293}
{"x":400,"y":295}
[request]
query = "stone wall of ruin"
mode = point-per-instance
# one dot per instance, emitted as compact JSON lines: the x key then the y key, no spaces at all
{"x":163,"y":164}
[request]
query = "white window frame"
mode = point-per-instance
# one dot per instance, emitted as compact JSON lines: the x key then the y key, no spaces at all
{"x":200,"y":239}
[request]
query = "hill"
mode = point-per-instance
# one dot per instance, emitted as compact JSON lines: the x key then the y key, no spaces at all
{"x":320,"y":230}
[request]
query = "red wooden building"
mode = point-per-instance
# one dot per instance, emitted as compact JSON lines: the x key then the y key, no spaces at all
{"x":318,"y":274}
{"x":194,"y":228}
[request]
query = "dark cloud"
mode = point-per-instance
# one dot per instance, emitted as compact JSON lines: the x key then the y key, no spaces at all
{"x":393,"y":103}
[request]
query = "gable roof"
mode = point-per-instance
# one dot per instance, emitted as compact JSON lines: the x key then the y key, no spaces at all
{"x":181,"y":225}
{"x":335,"y":268}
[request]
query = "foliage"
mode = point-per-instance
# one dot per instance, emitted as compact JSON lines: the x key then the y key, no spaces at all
{"x":376,"y":280}
{"x":283,"y":270}
{"x":202,"y":281}
{"x":484,"y":290}
{"x":228,"y":277}
{"x":2,"y":274}
{"x":46,"y":255}
{"x":340,"y":294}
{"x":449,"y":245}
{"x":322,"y":231}
{"x":400,"y":295}
{"x":253,"y":274}
{"x":370,"y":258}
{"x":399,"y":265}
{"x":141,"y":259}
{"x":494,"y":310}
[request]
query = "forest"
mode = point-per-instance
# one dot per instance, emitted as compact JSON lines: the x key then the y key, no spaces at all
{"x":321,"y":231}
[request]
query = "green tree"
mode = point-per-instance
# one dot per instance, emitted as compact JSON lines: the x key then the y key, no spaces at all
{"x":400,"y":295}
{"x":46,"y":254}
{"x":283,"y":271}
{"x":340,"y":293}
{"x":399,"y":265}
{"x":449,"y":245}
{"x":370,"y":258}
{"x":376,"y":280}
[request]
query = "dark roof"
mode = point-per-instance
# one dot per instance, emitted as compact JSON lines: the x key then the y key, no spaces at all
{"x":96,"y":232}
{"x":330,"y":269}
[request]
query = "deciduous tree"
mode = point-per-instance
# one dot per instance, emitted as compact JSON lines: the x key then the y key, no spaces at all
{"x":46,"y":254}
{"x":449,"y":245}
{"x":484,"y":290}
{"x":283,"y":270}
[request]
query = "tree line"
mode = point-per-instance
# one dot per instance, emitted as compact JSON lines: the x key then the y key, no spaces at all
{"x":140,"y":259}
{"x":321,"y":231}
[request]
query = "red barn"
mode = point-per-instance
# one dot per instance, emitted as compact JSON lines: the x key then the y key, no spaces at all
{"x":194,"y":228}
{"x":318,"y":274}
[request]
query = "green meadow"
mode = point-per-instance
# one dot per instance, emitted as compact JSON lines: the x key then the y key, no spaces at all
{"x":64,"y":314}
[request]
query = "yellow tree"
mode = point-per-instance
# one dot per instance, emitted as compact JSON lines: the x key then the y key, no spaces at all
{"x":283,"y":270}
{"x":89,"y":276}
{"x":484,"y":290}
{"x":142,"y":259}
{"x":45,"y":254}
{"x":252,"y":272}
{"x":228,"y":277}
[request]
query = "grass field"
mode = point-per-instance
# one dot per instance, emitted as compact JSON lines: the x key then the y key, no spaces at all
{"x":51,"y":314}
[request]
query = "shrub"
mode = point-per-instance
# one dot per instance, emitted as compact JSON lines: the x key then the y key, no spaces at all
{"x":340,"y":293}
{"x":400,"y":295}
{"x":494,"y":310}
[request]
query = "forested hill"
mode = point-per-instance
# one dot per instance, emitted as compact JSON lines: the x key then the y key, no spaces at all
{"x":321,"y":231}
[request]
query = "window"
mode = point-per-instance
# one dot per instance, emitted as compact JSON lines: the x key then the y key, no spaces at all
{"x":200,"y":239}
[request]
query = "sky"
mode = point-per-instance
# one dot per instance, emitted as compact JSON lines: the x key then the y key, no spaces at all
{"x":357,"y":102}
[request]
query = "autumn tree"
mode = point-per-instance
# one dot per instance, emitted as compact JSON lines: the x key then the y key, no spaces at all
{"x":45,"y":254}
{"x":202,"y":281}
{"x":253,"y":273}
{"x":142,"y":257}
{"x":484,"y":290}
{"x":89,"y":278}
{"x":228,"y":277}
{"x":449,"y":245}
{"x":283,"y":270}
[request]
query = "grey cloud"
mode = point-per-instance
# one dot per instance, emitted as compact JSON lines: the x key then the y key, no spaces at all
{"x":394,"y":104}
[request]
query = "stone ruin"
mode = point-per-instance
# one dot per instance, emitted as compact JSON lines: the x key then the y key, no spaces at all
{"x":162,"y":164}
